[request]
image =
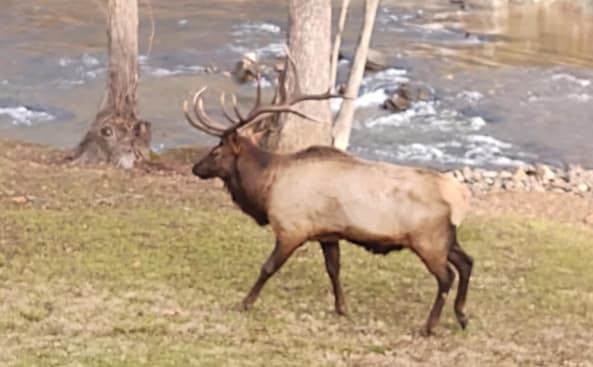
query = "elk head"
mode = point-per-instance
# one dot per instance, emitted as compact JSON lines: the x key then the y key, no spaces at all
{"x":235,"y":135}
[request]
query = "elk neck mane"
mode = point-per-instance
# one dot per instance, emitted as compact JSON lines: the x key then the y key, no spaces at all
{"x":250,"y":181}
{"x":254,"y":174}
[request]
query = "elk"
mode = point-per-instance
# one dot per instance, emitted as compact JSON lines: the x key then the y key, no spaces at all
{"x":326,"y":195}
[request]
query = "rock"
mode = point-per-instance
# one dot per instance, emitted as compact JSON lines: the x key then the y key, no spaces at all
{"x":376,"y":61}
{"x":544,"y":173}
{"x":457,"y":175}
{"x":538,"y":187}
{"x":520,"y":175}
{"x":560,"y":184}
{"x":468,"y":174}
{"x":489,"y":174}
{"x":583,"y":187}
{"x":529,"y":170}
{"x":246,"y":69}
{"x":211,"y":69}
{"x":574,"y":173}
{"x":497,"y":185}
{"x":396,"y":103}
{"x":402,"y":98}
{"x":505,"y":174}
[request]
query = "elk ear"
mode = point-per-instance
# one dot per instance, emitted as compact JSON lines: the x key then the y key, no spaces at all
{"x":234,"y":143}
{"x":256,"y":137}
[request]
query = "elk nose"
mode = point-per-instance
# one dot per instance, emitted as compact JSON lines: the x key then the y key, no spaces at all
{"x":196,"y":169}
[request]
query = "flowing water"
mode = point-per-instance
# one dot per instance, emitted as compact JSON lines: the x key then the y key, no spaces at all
{"x":512,"y":84}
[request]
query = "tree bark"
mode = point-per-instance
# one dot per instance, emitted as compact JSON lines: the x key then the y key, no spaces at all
{"x":338,"y":42}
{"x":117,"y":135}
{"x":343,"y":122}
{"x":309,"y":43}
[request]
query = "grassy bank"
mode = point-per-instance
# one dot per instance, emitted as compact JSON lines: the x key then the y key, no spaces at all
{"x":104,"y":268}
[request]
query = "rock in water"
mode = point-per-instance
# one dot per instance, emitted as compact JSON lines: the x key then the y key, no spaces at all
{"x":376,"y":61}
{"x":246,"y":69}
{"x":407,"y":93}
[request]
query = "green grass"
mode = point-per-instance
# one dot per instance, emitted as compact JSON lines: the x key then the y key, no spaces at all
{"x":95,"y":275}
{"x":156,"y":286}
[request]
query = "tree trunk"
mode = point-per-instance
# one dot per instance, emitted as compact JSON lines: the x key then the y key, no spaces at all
{"x":309,"y":42}
{"x":337,"y":43}
{"x":117,"y":135}
{"x":343,"y":123}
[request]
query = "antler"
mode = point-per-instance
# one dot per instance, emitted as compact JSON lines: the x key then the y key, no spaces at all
{"x":281,"y":102}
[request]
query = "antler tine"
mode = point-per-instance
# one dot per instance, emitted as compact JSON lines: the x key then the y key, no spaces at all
{"x":292,"y":64}
{"x":258,"y":96}
{"x":196,"y":125}
{"x":281,"y":102}
{"x":315,"y":97}
{"x":191,"y":120}
{"x":224,"y":111}
{"x":204,"y":118}
{"x":204,"y":123}
{"x":276,"y":96}
{"x":275,"y":109}
{"x":242,"y":119}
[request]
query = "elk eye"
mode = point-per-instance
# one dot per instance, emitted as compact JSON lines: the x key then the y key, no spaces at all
{"x":106,"y":131}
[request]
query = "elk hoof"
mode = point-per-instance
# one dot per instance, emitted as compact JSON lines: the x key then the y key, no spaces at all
{"x":341,"y":311}
{"x":242,"y":306}
{"x":463,"y":320}
{"x":425,"y":332}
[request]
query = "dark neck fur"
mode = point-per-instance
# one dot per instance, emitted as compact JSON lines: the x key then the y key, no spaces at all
{"x":250,"y":182}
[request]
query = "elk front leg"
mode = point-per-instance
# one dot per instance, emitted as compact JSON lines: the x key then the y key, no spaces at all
{"x":331,"y":253}
{"x":280,"y":254}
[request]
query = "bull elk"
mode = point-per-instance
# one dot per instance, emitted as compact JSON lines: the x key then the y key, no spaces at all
{"x":327,"y":195}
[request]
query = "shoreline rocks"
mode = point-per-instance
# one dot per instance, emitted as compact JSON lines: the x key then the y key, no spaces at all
{"x":528,"y":178}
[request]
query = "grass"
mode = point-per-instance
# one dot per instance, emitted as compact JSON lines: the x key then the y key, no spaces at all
{"x":104,"y":268}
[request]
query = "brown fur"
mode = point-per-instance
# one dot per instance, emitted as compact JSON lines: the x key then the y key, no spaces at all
{"x":323,"y":194}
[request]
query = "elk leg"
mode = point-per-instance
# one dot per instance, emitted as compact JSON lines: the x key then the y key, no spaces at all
{"x":280,"y":254}
{"x":464,"y":264}
{"x":331,"y":253}
{"x":444,"y":276}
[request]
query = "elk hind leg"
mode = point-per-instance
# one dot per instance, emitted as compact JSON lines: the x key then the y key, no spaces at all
{"x":280,"y":254}
{"x":331,"y":254}
{"x":444,"y":275}
{"x":464,"y":264}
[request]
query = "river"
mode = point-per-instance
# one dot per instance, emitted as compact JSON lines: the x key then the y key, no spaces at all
{"x":512,"y":85}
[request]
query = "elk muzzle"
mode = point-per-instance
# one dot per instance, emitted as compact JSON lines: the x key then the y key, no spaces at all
{"x":203,"y":170}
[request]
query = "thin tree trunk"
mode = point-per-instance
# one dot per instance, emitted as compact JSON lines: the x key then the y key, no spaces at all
{"x":116,"y":135}
{"x":343,"y":122}
{"x":338,"y":42}
{"x":309,"y":42}
{"x":122,"y":43}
